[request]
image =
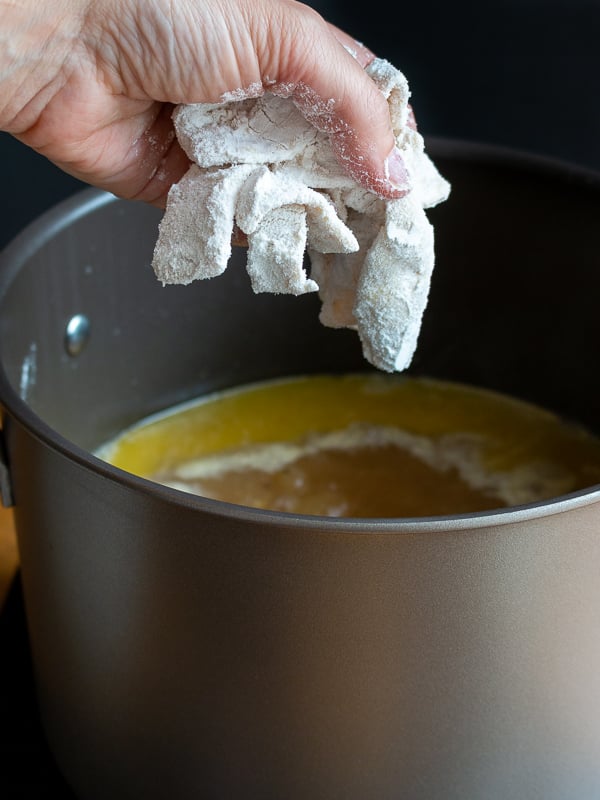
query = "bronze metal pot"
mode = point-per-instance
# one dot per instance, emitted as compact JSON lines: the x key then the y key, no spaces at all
{"x":186,"y":648}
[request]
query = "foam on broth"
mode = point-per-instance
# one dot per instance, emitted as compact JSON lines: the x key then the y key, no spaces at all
{"x":371,"y":445}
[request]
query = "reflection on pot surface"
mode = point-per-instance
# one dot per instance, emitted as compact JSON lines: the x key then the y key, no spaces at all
{"x":362,"y":446}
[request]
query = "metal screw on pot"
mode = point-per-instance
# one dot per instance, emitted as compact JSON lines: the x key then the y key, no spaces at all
{"x":77,"y":334}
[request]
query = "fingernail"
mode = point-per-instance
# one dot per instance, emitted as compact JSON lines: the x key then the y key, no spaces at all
{"x":358,"y":51}
{"x":396,"y":172}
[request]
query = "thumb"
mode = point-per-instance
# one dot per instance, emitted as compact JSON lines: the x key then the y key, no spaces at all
{"x":324,"y":74}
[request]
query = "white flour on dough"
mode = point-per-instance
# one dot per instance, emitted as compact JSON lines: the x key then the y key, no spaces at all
{"x":260,"y":166}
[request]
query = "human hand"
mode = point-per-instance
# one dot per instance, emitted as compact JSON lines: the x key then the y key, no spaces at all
{"x":91,"y":85}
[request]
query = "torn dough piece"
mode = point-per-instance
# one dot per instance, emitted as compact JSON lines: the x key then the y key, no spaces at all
{"x":260,"y":166}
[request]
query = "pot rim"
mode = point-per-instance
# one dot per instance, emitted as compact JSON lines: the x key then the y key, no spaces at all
{"x":87,"y":200}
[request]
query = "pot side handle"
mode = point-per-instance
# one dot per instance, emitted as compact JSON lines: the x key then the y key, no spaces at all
{"x":6,"y":492}
{"x":9,"y":551}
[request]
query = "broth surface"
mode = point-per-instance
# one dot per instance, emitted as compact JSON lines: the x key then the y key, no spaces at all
{"x":361,"y":446}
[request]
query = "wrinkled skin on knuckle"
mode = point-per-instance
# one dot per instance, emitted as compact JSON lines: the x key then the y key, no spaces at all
{"x":286,"y":43}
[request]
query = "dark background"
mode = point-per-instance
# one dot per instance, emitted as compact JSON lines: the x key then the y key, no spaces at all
{"x":519,"y":73}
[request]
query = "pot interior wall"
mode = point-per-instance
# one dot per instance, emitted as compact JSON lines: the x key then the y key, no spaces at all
{"x":513,"y":304}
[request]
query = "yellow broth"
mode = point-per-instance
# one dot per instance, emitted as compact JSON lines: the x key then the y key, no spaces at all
{"x":369,"y":445}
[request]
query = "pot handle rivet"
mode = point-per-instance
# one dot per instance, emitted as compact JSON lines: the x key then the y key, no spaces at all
{"x":77,"y":334}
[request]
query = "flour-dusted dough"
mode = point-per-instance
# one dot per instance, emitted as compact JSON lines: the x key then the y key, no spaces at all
{"x":260,"y":166}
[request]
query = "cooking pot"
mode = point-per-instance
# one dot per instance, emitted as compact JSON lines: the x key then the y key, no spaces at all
{"x":187,"y":648}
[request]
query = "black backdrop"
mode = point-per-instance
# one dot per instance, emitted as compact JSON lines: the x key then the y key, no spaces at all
{"x":521,"y":73}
